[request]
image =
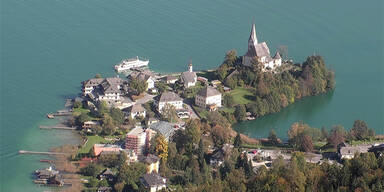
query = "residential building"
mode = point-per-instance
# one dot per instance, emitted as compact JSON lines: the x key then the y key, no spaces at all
{"x":260,"y":51}
{"x":170,"y":79}
{"x":189,"y":78}
{"x":145,"y":76}
{"x":154,"y":182}
{"x":104,"y":189}
{"x":164,"y":128}
{"x":90,"y":85}
{"x":219,"y":155}
{"x":90,"y":124}
{"x":106,"y":174}
{"x":346,"y":151}
{"x":136,"y":140}
{"x":171,"y":99}
{"x":137,"y":110}
{"x":208,"y":97}
{"x":98,"y":148}
{"x":152,"y":162}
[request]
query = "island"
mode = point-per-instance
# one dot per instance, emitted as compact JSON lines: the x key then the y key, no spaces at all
{"x":172,"y":132}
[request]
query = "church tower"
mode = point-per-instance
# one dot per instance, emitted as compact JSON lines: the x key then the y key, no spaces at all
{"x":252,"y":41}
{"x":190,"y":69}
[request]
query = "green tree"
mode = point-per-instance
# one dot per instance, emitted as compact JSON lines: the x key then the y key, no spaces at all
{"x":77,"y":104}
{"x":130,"y":174}
{"x":169,"y":113}
{"x":272,"y":138}
{"x":98,"y":76}
{"x":237,"y":142}
{"x":91,"y":169}
{"x":240,"y":112}
{"x":117,"y":116}
{"x":360,"y":130}
{"x":108,"y":125}
{"x":137,"y":86}
{"x":83,"y":117}
{"x":228,"y":100}
{"x":161,"y":87}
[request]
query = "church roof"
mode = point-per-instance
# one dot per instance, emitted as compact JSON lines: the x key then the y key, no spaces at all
{"x":277,"y":55}
{"x":208,"y":92}
{"x":253,"y":37}
{"x":188,"y":77}
{"x":137,"y":108}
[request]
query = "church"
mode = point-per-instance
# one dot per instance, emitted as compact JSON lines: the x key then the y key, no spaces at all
{"x":260,"y":51}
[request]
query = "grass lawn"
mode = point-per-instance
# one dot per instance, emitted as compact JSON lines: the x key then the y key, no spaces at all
{"x":91,"y":141}
{"x":242,"y":95}
{"x":78,"y":111}
{"x":201,"y":112}
{"x":210,"y":75}
{"x":228,"y":109}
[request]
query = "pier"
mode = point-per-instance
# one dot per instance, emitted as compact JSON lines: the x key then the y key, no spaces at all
{"x":57,"y":127}
{"x":39,"y":152}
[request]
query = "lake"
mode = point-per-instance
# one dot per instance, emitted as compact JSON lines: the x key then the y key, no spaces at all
{"x":49,"y":46}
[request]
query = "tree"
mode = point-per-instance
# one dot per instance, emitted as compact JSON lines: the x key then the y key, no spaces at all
{"x":220,"y":135}
{"x":193,"y":134}
{"x":337,"y":135}
{"x":169,"y":113}
{"x":137,"y":86}
{"x":83,"y":117}
{"x":102,"y":109}
{"x":162,"y":147}
{"x":231,"y":57}
{"x":240,"y":112}
{"x":77,"y":104}
{"x":91,"y":169}
{"x":228,"y":100}
{"x":117,"y":116}
{"x":306,"y":143}
{"x":130,"y":174}
{"x":98,"y":76}
{"x":161,"y":87}
{"x":272,"y":138}
{"x":108,"y":125}
{"x":360,"y":130}
{"x":237,"y":142}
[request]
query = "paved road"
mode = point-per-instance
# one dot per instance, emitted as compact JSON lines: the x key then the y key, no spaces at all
{"x":189,"y":102}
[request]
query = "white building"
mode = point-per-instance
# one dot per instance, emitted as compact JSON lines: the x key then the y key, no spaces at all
{"x":154,"y":182}
{"x":90,"y":85}
{"x":171,"y":99}
{"x":260,"y":51}
{"x":189,"y":78}
{"x":137,"y":110}
{"x":208,"y":97}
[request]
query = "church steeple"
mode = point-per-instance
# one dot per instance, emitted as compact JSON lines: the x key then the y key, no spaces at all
{"x":252,"y":41}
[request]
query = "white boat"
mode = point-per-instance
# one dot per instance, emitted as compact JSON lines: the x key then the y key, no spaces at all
{"x":127,"y":64}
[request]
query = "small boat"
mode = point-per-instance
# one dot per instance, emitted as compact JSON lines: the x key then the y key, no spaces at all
{"x":131,"y":63}
{"x":50,"y":116}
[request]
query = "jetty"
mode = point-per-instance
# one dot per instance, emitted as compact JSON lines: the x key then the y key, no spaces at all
{"x":57,"y":127}
{"x":40,"y":152}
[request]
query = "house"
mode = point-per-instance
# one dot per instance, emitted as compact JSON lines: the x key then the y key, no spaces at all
{"x":189,"y":78}
{"x":215,"y":83}
{"x":152,"y":162}
{"x":90,"y":124}
{"x":131,"y":155}
{"x":106,"y":174}
{"x":136,"y":140}
{"x":346,"y":151}
{"x":145,"y":76}
{"x":137,"y":110}
{"x":151,"y":121}
{"x":208,"y":97}
{"x":98,"y":148}
{"x":171,"y":99}
{"x":154,"y":182}
{"x":164,"y":128}
{"x":202,"y":80}
{"x":104,"y":189}
{"x":110,"y":90}
{"x":90,"y":85}
{"x":219,"y":155}
{"x":170,"y":79}
{"x":260,"y":51}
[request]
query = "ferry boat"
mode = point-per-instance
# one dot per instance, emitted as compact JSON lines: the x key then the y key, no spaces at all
{"x":131,"y":63}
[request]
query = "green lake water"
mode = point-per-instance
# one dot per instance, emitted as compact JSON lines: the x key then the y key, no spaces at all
{"x":49,"y":46}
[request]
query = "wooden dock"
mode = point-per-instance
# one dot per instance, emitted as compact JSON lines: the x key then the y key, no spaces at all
{"x":39,"y":152}
{"x":57,"y":127}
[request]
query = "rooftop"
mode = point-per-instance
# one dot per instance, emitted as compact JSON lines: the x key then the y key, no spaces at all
{"x":169,"y":96}
{"x":153,"y":179}
{"x":164,"y":128}
{"x":136,"y":131}
{"x":208,"y":91}
{"x":188,"y":76}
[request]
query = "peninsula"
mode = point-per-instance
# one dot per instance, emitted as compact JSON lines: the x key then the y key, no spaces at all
{"x":152,"y":132}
